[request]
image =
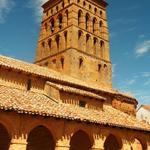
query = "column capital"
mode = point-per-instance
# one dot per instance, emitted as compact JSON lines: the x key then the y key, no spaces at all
{"x":18,"y":144}
{"x":19,"y":141}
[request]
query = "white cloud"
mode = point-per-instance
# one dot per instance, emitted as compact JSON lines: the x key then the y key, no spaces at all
{"x":141,"y":36}
{"x":142,"y":48}
{"x":130,"y":82}
{"x":145,"y":74}
{"x":147,"y":82}
{"x":113,"y":70}
{"x":112,"y":34}
{"x":36,"y":6}
{"x":5,"y":7}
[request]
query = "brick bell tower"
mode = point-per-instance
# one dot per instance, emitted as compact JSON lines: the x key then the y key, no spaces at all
{"x":74,"y":40}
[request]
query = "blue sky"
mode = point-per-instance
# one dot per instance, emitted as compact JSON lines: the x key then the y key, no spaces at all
{"x":129,"y":27}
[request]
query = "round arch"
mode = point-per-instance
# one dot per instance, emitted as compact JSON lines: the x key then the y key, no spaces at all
{"x":80,"y":16}
{"x":87,"y":21}
{"x":112,"y":143}
{"x":139,"y":144}
{"x":60,"y":21}
{"x":5,"y":138}
{"x":80,"y":141}
{"x":40,"y":138}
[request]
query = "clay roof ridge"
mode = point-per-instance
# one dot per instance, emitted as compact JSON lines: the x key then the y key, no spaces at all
{"x":75,"y":90}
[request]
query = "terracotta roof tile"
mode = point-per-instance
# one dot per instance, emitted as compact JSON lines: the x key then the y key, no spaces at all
{"x":34,"y":103}
{"x":51,"y":74}
{"x":147,"y":107}
{"x":76,"y":91}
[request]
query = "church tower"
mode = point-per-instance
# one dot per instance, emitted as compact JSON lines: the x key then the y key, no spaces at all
{"x":74,"y":40}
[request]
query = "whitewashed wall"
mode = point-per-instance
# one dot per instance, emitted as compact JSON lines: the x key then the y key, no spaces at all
{"x":143,"y":114}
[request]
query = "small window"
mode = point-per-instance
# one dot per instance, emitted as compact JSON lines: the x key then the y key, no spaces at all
{"x":43,"y":44}
{"x":105,"y":66}
{"x":80,"y":62}
{"x":62,"y":62}
{"x":51,"y":11}
{"x":79,"y":34}
{"x":29,"y":83}
{"x":54,"y":61}
{"x":101,"y":24}
{"x":99,"y":67}
{"x":84,"y":3}
{"x":101,"y":13}
{"x":82,"y":103}
{"x":95,"y":10}
{"x":50,"y":44}
{"x":63,"y":4}
{"x":57,"y":8}
{"x":46,"y":64}
{"x":46,"y":26}
{"x":90,"y":7}
{"x":57,"y":42}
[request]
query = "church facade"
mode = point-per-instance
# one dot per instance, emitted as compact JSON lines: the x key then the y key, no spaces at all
{"x":65,"y":100}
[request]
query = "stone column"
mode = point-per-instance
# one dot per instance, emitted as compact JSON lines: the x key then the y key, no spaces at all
{"x":97,"y":29}
{"x":18,"y":144}
{"x":82,"y":23}
{"x":62,"y":42}
{"x":126,"y":145}
{"x":62,"y":147}
{"x":98,"y":143}
{"x":63,"y":144}
{"x":148,"y":147}
{"x":57,"y":25}
{"x":64,"y":21}
{"x":90,"y":25}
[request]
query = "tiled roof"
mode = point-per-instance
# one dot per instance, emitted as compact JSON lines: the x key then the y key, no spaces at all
{"x":34,"y":103}
{"x":28,"y":68}
{"x":147,"y":107}
{"x":76,"y":91}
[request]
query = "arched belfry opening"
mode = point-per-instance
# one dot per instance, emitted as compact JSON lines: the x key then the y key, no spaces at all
{"x":40,"y":138}
{"x":80,"y":141}
{"x":4,"y":138}
{"x":112,"y":143}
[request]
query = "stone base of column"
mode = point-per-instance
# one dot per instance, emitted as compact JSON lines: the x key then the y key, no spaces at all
{"x":97,"y":148}
{"x":18,"y":145}
{"x":62,"y":148}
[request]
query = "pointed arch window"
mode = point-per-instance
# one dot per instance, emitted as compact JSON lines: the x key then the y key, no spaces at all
{"x":66,"y":38}
{"x":45,"y":26}
{"x":58,"y":42}
{"x":94,"y":25}
{"x":80,"y":41}
{"x":60,"y":21}
{"x":50,"y":44}
{"x":52,"y":24}
{"x":95,"y":41}
{"x":80,"y":62}
{"x":101,"y":13}
{"x":62,"y":62}
{"x":43,"y":44}
{"x":80,"y":13}
{"x":87,"y":20}
{"x":102,"y":49}
{"x":29,"y":83}
{"x":66,"y":15}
